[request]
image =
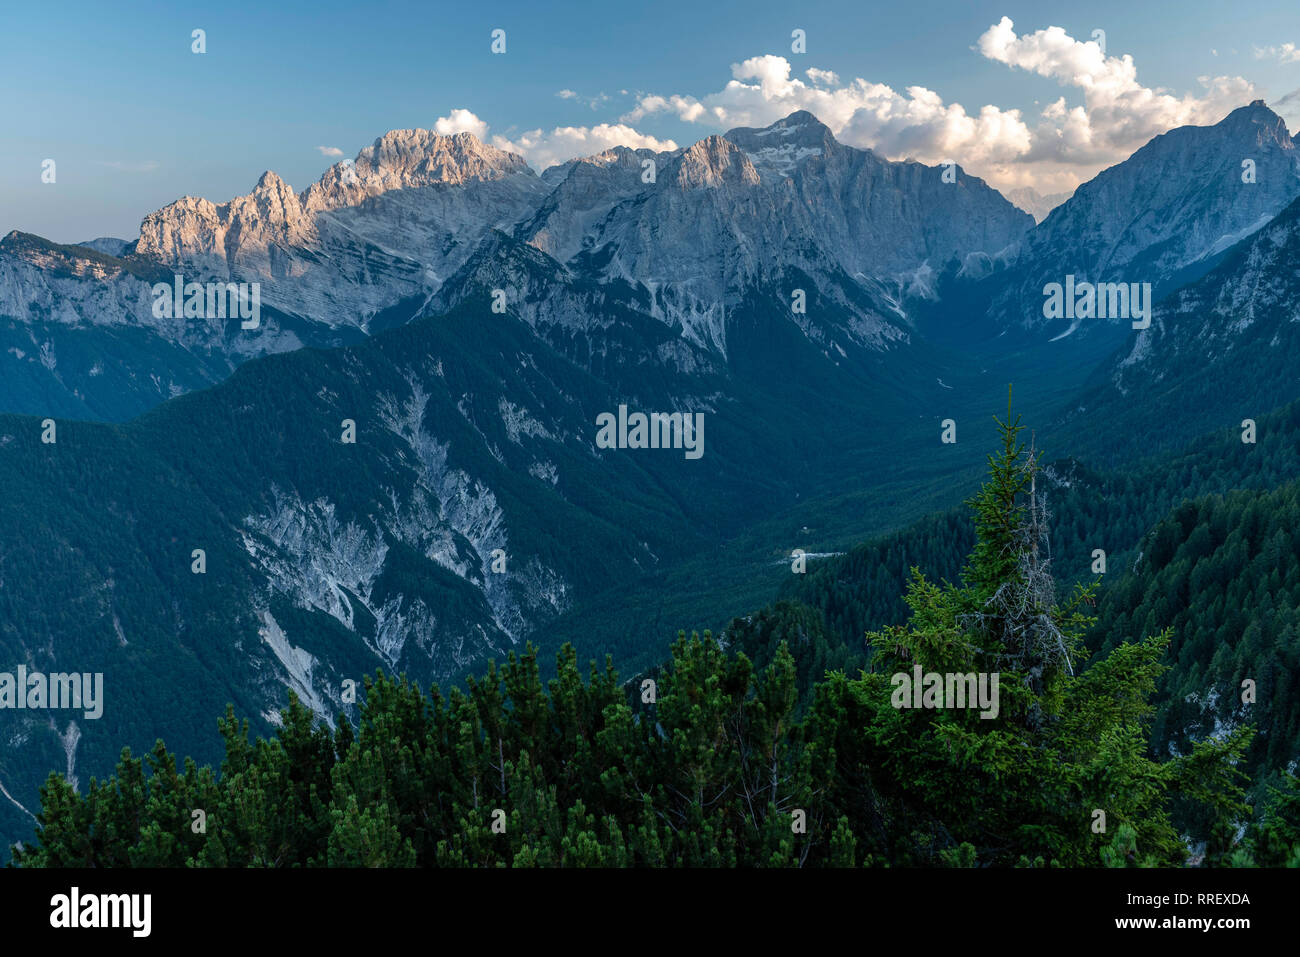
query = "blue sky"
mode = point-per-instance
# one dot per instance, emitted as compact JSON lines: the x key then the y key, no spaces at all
{"x":134,"y":119}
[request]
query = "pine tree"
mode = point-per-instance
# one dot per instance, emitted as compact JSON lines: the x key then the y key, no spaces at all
{"x":745,"y":736}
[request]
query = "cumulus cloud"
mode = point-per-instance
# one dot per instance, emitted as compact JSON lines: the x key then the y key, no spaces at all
{"x":460,"y":121}
{"x":329,"y":151}
{"x":914,"y":123}
{"x":543,"y":149}
{"x":566,"y":94}
{"x":1054,"y":151}
{"x":1118,"y":114}
{"x":822,"y":77}
{"x":1286,"y":53}
{"x":686,"y":107}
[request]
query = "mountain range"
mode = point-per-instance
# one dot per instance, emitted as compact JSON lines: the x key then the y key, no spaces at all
{"x":399,"y":467}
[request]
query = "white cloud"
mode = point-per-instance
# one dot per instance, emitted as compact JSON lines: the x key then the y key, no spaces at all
{"x":595,"y":102}
{"x":686,"y":107}
{"x":1118,"y":114}
{"x":543,"y":149}
{"x":330,"y":151}
{"x":1286,"y":53}
{"x":916,"y":123}
{"x":822,"y":77}
{"x":1062,"y":147}
{"x":460,"y":121}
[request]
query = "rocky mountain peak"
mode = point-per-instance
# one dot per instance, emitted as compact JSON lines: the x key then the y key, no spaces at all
{"x":193,"y":229}
{"x":1257,"y":121}
{"x":1166,"y":212}
{"x":777,"y":150}
{"x":800,"y":128}
{"x":713,"y":162}
{"x":270,"y":182}
{"x":1033,"y":202}
{"x":404,"y":158}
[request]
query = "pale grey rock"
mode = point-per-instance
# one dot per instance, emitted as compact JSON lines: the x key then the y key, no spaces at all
{"x":1035,"y":203}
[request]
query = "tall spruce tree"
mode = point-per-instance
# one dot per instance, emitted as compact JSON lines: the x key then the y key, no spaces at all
{"x":1066,"y":760}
